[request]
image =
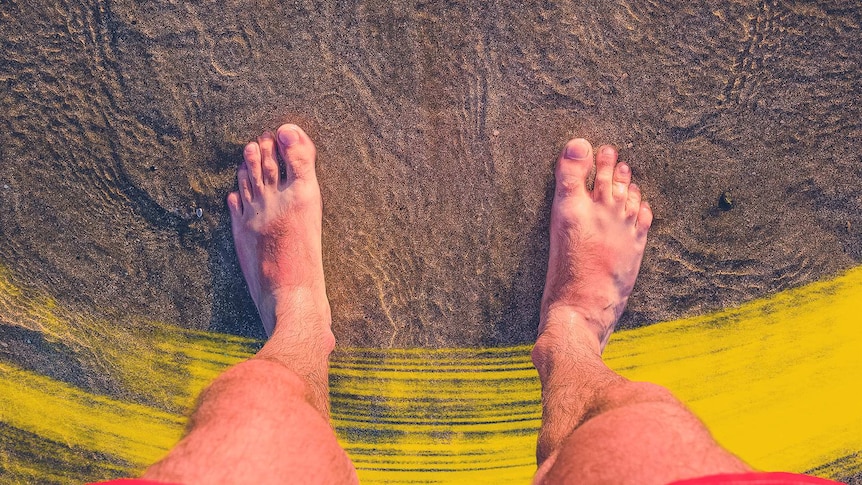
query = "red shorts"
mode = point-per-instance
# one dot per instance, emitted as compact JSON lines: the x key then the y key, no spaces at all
{"x":757,"y":478}
{"x":752,"y":478}
{"x":132,"y":481}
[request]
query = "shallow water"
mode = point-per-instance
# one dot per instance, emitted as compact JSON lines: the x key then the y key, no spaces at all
{"x":437,"y":129}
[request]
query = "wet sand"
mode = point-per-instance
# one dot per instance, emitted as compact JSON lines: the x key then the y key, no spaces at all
{"x":437,"y":131}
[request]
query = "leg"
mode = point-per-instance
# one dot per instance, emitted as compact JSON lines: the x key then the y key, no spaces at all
{"x":267,"y":420}
{"x":598,"y":427}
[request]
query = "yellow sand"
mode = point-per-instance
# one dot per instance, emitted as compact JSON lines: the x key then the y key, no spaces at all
{"x":776,"y":380}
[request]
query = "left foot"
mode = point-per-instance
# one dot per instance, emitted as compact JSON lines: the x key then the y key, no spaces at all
{"x":276,"y":218}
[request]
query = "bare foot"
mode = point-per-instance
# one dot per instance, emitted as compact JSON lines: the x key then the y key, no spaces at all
{"x":276,"y":219}
{"x":597,"y":242}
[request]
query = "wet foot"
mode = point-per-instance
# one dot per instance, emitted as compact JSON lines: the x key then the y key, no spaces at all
{"x":597,"y":242}
{"x":276,"y":220}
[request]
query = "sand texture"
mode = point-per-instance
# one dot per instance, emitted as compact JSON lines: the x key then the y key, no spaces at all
{"x":437,"y":129}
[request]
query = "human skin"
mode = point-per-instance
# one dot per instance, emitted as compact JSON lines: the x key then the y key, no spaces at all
{"x":267,"y":420}
{"x":598,"y":427}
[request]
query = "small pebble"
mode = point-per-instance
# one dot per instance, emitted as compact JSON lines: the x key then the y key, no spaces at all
{"x":725,"y":202}
{"x":153,"y":168}
{"x":199,"y":212}
{"x":5,"y":186}
{"x":496,"y":132}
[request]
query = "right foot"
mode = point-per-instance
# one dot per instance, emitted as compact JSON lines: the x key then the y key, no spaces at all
{"x":597,"y":243}
{"x":276,"y":220}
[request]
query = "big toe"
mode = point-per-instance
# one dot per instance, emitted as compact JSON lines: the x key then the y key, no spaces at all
{"x":298,"y":152}
{"x":574,"y":167}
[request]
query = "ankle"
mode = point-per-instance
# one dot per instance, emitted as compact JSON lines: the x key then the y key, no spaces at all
{"x":564,"y":344}
{"x":598,"y":321}
{"x":304,"y":351}
{"x":295,"y":306}
{"x":571,"y":325}
{"x":305,"y":328}
{"x":299,"y":324}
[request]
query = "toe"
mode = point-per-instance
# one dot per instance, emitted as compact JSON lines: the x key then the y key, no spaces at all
{"x":644,"y":219}
{"x":298,"y":152}
{"x":251,"y":155}
{"x":605,"y":162}
{"x":269,"y":162}
{"x":622,"y":179}
{"x":633,"y":202}
{"x":573,"y":167}
{"x":234,"y":203}
{"x":244,"y":183}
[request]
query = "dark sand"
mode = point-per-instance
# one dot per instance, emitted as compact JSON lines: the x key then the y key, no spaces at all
{"x":437,"y":130}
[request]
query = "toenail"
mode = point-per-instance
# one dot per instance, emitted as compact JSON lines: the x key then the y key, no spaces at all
{"x":624,"y":169}
{"x":288,"y":136}
{"x":577,"y":149}
{"x":608,"y":150}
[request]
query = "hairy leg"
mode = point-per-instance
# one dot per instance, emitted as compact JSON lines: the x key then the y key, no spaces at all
{"x":598,"y":427}
{"x":266,"y":420}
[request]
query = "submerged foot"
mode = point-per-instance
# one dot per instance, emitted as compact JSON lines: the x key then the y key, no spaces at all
{"x":597,"y":242}
{"x":276,"y":220}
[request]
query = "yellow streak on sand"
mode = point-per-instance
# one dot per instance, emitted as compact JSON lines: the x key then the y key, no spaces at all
{"x":65,"y":414}
{"x":155,"y":363}
{"x":776,"y":380}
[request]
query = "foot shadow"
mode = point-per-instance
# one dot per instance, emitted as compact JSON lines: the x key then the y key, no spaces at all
{"x":517,"y":322}
{"x":233,"y":311}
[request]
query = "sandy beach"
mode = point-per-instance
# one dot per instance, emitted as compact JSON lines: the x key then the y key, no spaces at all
{"x":437,"y":129}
